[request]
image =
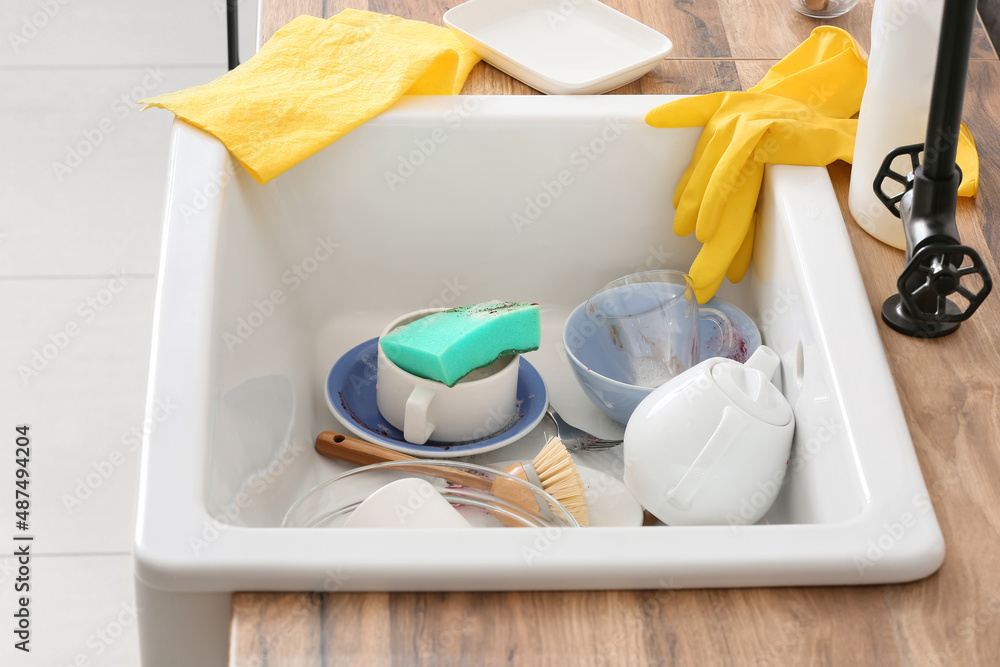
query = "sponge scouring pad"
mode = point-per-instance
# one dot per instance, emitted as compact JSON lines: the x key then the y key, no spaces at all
{"x":447,"y":345}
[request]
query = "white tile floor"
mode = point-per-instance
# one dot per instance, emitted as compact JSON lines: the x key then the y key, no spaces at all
{"x":82,"y":178}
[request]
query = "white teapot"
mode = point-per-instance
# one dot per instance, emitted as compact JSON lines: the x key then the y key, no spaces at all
{"x":711,"y":445}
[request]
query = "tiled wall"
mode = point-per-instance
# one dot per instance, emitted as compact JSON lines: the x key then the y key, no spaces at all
{"x":82,"y":176}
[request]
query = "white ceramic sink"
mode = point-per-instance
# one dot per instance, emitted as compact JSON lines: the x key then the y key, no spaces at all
{"x":446,"y":201}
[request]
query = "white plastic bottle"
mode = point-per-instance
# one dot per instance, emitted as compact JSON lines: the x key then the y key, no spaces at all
{"x":895,"y":105}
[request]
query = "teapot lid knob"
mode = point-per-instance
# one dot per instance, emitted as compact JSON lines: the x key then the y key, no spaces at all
{"x":752,"y":391}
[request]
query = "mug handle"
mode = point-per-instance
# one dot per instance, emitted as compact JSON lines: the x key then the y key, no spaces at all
{"x":726,"y":329}
{"x":416,"y":429}
{"x":732,"y":424}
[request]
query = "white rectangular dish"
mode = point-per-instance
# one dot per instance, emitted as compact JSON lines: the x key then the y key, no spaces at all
{"x":452,"y":200}
{"x":560,"y":47}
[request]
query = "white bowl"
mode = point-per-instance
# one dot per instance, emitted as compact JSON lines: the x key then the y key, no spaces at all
{"x":560,"y":47}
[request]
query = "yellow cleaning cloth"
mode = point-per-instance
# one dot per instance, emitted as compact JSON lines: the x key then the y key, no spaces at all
{"x":799,"y":113}
{"x":316,"y":80}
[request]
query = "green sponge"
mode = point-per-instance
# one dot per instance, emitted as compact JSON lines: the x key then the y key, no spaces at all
{"x":447,"y":345}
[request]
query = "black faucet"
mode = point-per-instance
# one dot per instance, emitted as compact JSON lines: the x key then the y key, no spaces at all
{"x":936,"y":262}
{"x":232,"y":34}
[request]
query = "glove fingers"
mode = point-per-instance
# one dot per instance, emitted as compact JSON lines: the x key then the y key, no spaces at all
{"x":968,"y":161}
{"x":715,"y":256}
{"x":741,"y":262}
{"x":684,"y":224}
{"x":703,"y":294}
{"x":691,"y":111}
{"x":704,"y":141}
{"x":699,"y":176}
{"x":737,"y":173}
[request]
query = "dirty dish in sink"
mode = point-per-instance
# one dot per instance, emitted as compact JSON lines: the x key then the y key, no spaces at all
{"x":609,"y":502}
{"x":581,"y":47}
{"x":712,"y":445}
{"x":350,"y":394}
{"x":331,"y":503}
{"x":605,"y":383}
{"x":650,"y":326}
{"x":552,"y":469}
{"x":451,"y":375}
{"x":410,"y":502}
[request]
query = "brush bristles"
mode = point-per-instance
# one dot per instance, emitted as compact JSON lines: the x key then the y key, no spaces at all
{"x":561,"y":480}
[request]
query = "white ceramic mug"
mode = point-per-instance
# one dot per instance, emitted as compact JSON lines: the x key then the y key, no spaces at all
{"x":711,"y":446}
{"x":481,"y":404}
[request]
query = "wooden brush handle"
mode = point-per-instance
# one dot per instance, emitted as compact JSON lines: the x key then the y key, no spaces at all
{"x":341,"y":447}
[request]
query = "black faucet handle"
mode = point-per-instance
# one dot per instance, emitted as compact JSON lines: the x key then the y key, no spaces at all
{"x":885,"y":172}
{"x":936,"y":272}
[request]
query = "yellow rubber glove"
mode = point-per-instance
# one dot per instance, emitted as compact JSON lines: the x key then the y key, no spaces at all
{"x":799,"y":113}
{"x":827,"y":71}
{"x":967,"y":160}
{"x":719,"y":191}
{"x":740,"y":127}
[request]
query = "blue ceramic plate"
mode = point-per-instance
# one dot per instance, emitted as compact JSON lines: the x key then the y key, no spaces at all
{"x":350,"y":393}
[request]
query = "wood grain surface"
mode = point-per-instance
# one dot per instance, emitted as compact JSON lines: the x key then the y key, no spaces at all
{"x":949,"y":388}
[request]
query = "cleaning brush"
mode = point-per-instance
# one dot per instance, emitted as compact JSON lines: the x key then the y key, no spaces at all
{"x":552,"y":470}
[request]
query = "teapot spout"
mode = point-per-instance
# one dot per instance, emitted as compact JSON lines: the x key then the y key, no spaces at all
{"x":765,"y":360}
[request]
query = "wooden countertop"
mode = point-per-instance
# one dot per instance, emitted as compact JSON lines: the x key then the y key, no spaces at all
{"x":949,"y":388}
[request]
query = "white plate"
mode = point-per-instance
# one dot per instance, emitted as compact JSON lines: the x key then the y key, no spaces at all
{"x":569,"y":47}
{"x":609,"y":502}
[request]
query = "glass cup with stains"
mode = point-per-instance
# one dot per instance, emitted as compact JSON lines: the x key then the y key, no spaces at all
{"x":650,"y":325}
